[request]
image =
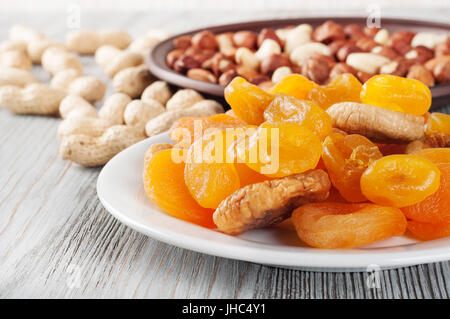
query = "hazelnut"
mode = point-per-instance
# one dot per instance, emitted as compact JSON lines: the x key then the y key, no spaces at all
{"x":245,"y":39}
{"x":201,"y":75}
{"x":182,"y":42}
{"x":442,"y":48}
{"x":331,"y":61}
{"x":172,"y":56}
{"x":419,"y":72}
{"x":341,"y":68}
{"x":400,"y":41}
{"x":273,"y":62}
{"x":366,"y":44}
{"x":199,"y":55}
{"x":185,"y":63}
{"x":405,"y":36}
{"x":385,"y":51}
{"x":268,"y":34}
{"x":221,"y":64}
{"x":370,"y":31}
{"x":204,"y":40}
{"x":420,"y":54}
{"x":344,"y":51}
{"x":227,"y":76}
{"x":258,"y":79}
{"x":442,"y":72}
{"x":336,"y":45}
{"x":328,"y":31}
{"x":353,"y":31}
{"x":316,"y":69}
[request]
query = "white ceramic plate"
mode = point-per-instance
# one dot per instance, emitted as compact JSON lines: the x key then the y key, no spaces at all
{"x":121,"y":191}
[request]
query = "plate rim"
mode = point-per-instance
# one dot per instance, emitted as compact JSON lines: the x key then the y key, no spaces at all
{"x":316,"y":259}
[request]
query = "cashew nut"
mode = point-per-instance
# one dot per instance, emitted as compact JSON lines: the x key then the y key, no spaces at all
{"x":302,"y":52}
{"x":366,"y":62}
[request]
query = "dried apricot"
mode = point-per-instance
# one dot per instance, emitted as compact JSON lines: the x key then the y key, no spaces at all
{"x":344,"y":88}
{"x":435,"y":208}
{"x":346,"y":157}
{"x":185,"y":130}
{"x":436,"y":155}
{"x":397,"y":93}
{"x":209,"y":175}
{"x":429,"y":231}
{"x":280,"y":149}
{"x":248,"y":101}
{"x":438,"y":122}
{"x":288,"y":108}
{"x":400,"y":180}
{"x":340,"y":225}
{"x":164,"y":185}
{"x":295,"y":85}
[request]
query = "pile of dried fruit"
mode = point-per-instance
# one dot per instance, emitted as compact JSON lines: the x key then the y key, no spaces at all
{"x":349,"y":163}
{"x":319,"y":54}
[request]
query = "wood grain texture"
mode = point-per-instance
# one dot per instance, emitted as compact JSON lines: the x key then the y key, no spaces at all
{"x":53,"y":229}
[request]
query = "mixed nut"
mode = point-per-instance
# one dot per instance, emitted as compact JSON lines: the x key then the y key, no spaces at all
{"x":320,"y":54}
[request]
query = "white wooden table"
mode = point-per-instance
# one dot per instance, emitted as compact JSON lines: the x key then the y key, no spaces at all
{"x":56,"y":239}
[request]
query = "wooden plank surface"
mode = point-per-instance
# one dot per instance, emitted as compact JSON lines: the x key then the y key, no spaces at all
{"x":56,"y":239}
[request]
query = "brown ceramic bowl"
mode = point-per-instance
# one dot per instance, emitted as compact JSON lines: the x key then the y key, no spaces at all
{"x":157,"y":59}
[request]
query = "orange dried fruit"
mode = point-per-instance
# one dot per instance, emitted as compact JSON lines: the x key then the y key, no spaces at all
{"x":397,"y":93}
{"x":343,"y":88}
{"x":247,"y":101}
{"x":339,"y":225}
{"x":400,"y":180}
{"x":435,"y":208}
{"x":438,"y":122}
{"x":288,"y":108}
{"x":280,"y":149}
{"x":429,"y":231}
{"x":295,"y":85}
{"x":209,"y":174}
{"x":346,"y":157}
{"x":164,"y":185}
{"x":185,"y":130}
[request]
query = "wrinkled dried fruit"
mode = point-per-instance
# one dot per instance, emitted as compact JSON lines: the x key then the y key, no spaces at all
{"x":339,"y":225}
{"x":400,"y":180}
{"x":343,"y":88}
{"x":288,"y":108}
{"x":295,"y":85}
{"x":164,"y":185}
{"x":268,"y":203}
{"x":248,"y":101}
{"x":346,"y":157}
{"x":280,"y":149}
{"x":397,"y":93}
